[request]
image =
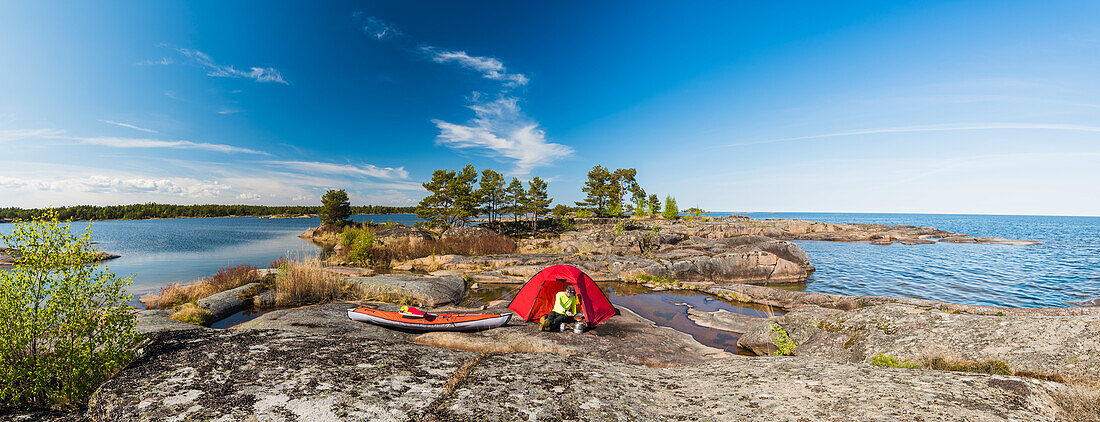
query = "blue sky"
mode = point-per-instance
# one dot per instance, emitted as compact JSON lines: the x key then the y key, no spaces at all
{"x":947,"y":107}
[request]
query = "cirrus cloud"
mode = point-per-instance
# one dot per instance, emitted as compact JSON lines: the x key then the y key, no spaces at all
{"x":500,"y":128}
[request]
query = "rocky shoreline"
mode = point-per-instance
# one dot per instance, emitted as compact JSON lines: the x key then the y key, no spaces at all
{"x":313,"y":363}
{"x":8,"y":258}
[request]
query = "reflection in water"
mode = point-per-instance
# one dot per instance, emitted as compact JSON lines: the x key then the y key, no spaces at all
{"x":669,"y":309}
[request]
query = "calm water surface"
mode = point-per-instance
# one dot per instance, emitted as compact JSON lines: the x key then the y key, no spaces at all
{"x":1063,"y":270}
{"x":158,"y":252}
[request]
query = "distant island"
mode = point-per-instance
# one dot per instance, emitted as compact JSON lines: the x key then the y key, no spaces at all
{"x":154,"y":210}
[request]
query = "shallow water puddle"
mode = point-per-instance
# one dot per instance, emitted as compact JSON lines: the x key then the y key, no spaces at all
{"x":669,"y":309}
{"x":238,"y":318}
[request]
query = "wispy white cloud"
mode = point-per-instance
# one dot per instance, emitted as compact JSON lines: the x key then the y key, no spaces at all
{"x":127,"y":125}
{"x":36,"y":184}
{"x":164,"y":61}
{"x":490,"y":67}
{"x":102,"y":184}
{"x":157,"y":143}
{"x":500,"y":128}
{"x":258,"y":74}
{"x":928,"y":128}
{"x":20,"y":134}
{"x":345,"y":169}
{"x":380,"y":29}
{"x":229,"y":111}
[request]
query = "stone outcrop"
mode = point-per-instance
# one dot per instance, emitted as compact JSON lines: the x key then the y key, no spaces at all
{"x":467,"y":232}
{"x":8,"y":257}
{"x":791,"y":229}
{"x":231,"y":301}
{"x":281,"y":375}
{"x":423,"y":290}
{"x":1067,"y":345}
{"x":401,"y":232}
{"x":756,"y":266}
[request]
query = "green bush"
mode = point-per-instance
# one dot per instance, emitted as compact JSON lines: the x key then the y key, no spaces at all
{"x":358,"y":244}
{"x":888,"y":361}
{"x":584,"y":213}
{"x":615,"y":210}
{"x":670,"y":212}
{"x":641,"y":207}
{"x":565,"y":223}
{"x":782,"y":341}
{"x":66,"y":326}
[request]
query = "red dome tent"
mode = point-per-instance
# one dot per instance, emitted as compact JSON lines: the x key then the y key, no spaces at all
{"x":536,"y":297}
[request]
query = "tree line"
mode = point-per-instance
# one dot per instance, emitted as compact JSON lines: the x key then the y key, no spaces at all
{"x":154,"y":210}
{"x":456,"y":196}
{"x":606,"y":195}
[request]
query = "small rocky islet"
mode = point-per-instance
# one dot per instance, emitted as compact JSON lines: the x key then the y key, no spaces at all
{"x":313,"y":363}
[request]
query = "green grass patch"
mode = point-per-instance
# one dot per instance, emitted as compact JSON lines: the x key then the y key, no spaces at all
{"x":888,"y":361}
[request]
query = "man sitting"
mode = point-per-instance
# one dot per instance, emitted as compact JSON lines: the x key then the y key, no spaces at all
{"x":565,"y":308}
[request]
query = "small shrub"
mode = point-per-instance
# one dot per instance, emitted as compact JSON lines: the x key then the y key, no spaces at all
{"x":358,"y":244}
{"x":671,"y":212}
{"x":192,"y":313}
{"x":565,"y":223}
{"x":619,"y":228}
{"x":888,"y":361}
{"x":615,"y":210}
{"x":584,"y":213}
{"x":66,"y":326}
{"x":785,"y":347}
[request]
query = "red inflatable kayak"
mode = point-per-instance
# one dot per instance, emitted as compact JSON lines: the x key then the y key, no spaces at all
{"x":429,"y":322}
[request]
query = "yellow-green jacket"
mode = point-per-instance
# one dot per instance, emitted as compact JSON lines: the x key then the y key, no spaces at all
{"x":563,"y":302}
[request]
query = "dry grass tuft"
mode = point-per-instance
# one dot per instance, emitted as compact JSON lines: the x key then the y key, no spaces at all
{"x":175,"y":294}
{"x":1078,"y":401}
{"x":471,"y":343}
{"x":304,"y":282}
{"x":193,"y":314}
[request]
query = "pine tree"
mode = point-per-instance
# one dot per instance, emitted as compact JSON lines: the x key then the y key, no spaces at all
{"x":600,"y":189}
{"x":671,"y":212}
{"x":437,"y":205}
{"x":538,"y":201}
{"x":335,"y":207}
{"x":452,"y":200}
{"x":516,"y":196}
{"x":624,"y":181}
{"x":467,"y":200}
{"x":491,"y":192}
{"x":654,"y":204}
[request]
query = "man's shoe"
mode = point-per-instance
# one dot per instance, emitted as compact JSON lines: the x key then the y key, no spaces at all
{"x":544,"y":324}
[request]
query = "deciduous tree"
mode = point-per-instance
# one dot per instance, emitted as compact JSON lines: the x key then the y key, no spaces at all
{"x":66,"y":325}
